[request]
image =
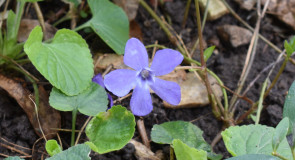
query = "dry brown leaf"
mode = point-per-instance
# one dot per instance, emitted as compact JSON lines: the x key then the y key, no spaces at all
{"x":142,"y":152}
{"x":27,"y":25}
{"x":49,"y":117}
{"x":135,"y":30}
{"x":194,"y":92}
{"x":129,"y":6}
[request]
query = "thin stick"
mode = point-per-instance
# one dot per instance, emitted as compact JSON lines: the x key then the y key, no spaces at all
{"x":250,"y":56}
{"x":39,"y":15}
{"x":142,"y":132}
{"x":82,"y":129}
{"x":187,"y":67}
{"x":37,"y":114}
{"x":120,"y":99}
{"x":14,"y":149}
{"x":250,"y":28}
{"x":154,"y":50}
{"x":15,"y":145}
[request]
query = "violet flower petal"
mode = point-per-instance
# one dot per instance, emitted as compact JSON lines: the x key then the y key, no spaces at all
{"x":141,"y":101}
{"x":135,"y":55}
{"x":111,"y":103}
{"x":166,"y":90}
{"x":165,"y":61}
{"x":120,"y":81}
{"x":98,"y":79}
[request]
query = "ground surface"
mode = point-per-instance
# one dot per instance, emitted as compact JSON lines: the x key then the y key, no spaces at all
{"x":227,"y":64}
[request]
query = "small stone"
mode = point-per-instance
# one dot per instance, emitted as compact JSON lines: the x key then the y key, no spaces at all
{"x":246,"y":4}
{"x":194,"y":92}
{"x":237,"y":36}
{"x":216,"y":9}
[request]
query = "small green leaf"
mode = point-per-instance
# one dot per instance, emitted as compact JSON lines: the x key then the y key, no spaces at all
{"x":289,"y":109}
{"x":208,"y":52}
{"x":253,"y":139}
{"x":111,"y":130}
{"x":13,"y":158}
{"x":184,"y":152}
{"x":66,"y":62}
{"x":188,"y":133}
{"x":254,"y":157}
{"x":280,"y":133}
{"x":90,"y":102}
{"x":78,"y":152}
{"x":110,"y":22}
{"x":11,"y":26}
{"x":288,"y":48}
{"x":52,"y":147}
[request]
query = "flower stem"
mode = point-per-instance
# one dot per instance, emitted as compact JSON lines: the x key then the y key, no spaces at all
{"x":74,"y":117}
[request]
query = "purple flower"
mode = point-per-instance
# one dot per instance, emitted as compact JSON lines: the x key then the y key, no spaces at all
{"x":99,"y":80}
{"x":143,"y":77}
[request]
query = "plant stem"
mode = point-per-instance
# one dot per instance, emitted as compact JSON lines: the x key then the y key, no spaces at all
{"x":204,"y":75}
{"x":74,"y":117}
{"x":276,"y":77}
{"x":278,"y":155}
{"x":260,"y":102}
{"x":188,"y":3}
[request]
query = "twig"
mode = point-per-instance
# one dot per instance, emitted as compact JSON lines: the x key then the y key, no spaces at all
{"x":154,"y":49}
{"x":120,"y":99}
{"x":39,"y":15}
{"x":188,"y":67}
{"x":250,"y":28}
{"x":142,"y":132}
{"x":250,"y":56}
{"x":260,"y":102}
{"x":82,"y":129}
{"x":14,"y":149}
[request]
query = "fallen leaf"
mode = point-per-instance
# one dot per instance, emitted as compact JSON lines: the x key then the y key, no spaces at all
{"x":142,"y":152}
{"x":27,"y":25}
{"x":129,"y":6}
{"x":135,"y":30}
{"x":49,"y":118}
{"x":194,"y":92}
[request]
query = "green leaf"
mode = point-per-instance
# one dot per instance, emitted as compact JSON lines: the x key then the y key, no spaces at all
{"x":188,"y":133}
{"x":280,"y":133}
{"x":254,"y":157}
{"x":66,"y":62}
{"x":111,"y":130}
{"x":184,"y":152}
{"x":78,"y":152}
{"x":288,"y":48}
{"x":253,"y":139}
{"x":11,"y":26}
{"x":289,"y":109}
{"x":110,"y":22}
{"x":208,"y":52}
{"x":90,"y":102}
{"x":52,"y":147}
{"x":13,"y":158}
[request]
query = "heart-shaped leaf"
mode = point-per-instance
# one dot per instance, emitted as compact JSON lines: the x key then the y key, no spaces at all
{"x":253,"y":139}
{"x":184,"y":152}
{"x":78,"y":152}
{"x":185,"y":131}
{"x":52,"y":147}
{"x":111,"y":130}
{"x":90,"y":102}
{"x":110,"y":22}
{"x":65,"y":62}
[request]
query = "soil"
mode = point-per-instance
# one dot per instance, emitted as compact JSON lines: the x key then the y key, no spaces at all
{"x":227,"y":64}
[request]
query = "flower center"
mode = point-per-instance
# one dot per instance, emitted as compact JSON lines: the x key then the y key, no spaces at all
{"x":145,"y":74}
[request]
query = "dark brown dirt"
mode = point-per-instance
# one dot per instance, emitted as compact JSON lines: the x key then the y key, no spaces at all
{"x":227,"y":64}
